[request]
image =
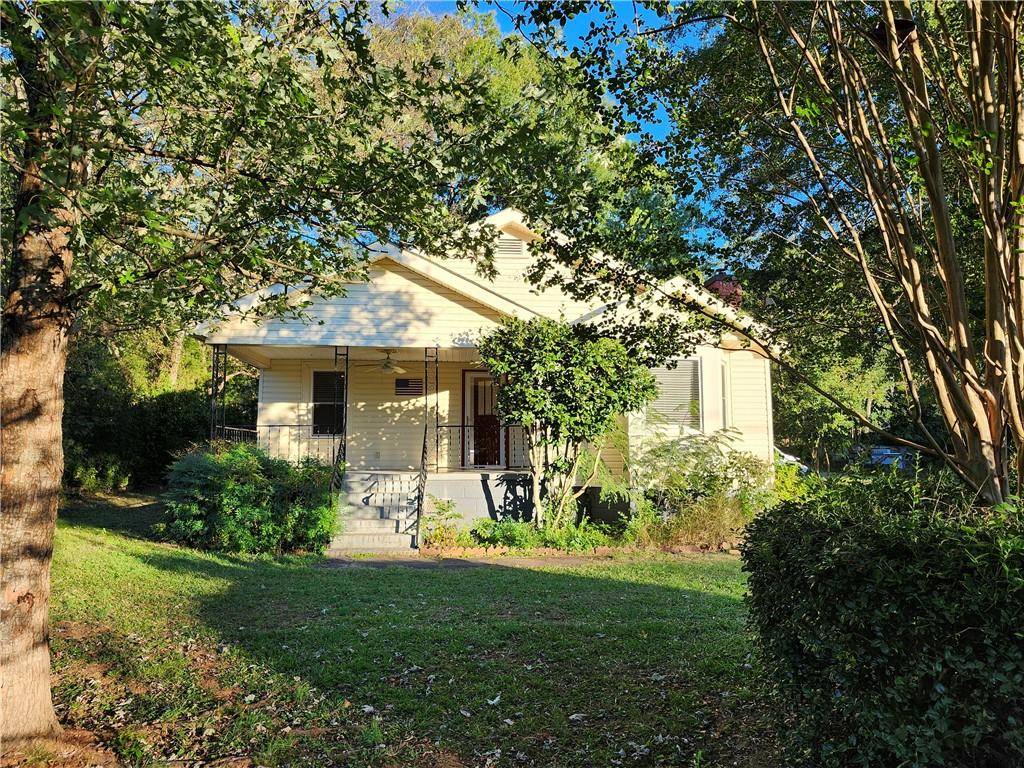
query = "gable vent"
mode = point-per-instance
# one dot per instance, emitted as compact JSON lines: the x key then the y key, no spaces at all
{"x":678,"y":400}
{"x":408,"y":387}
{"x":510,"y":246}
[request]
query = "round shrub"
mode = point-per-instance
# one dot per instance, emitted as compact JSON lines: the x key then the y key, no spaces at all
{"x":238,"y":499}
{"x":892,"y":634}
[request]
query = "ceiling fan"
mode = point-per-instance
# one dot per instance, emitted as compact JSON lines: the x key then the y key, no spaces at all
{"x":387,"y":365}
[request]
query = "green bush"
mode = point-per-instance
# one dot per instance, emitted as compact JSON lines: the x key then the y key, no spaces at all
{"x":585,"y":536}
{"x":238,"y":499}
{"x":789,"y":484}
{"x":515,"y":534}
{"x":891,"y":624}
{"x":694,"y":490}
{"x":94,"y":472}
{"x":440,"y":528}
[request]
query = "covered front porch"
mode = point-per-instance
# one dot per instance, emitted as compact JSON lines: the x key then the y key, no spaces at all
{"x":400,"y":409}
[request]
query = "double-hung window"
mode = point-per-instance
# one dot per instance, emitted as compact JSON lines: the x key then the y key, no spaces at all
{"x":328,"y":402}
{"x":679,"y":395}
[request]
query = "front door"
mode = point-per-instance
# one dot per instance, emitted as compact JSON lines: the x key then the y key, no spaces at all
{"x":483,"y":436}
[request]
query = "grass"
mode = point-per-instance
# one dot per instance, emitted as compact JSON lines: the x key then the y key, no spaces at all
{"x":172,"y":654}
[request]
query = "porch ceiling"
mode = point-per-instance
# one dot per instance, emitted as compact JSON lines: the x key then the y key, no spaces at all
{"x":261,"y":355}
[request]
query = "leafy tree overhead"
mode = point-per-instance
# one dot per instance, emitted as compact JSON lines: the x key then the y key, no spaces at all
{"x":565,"y":386}
{"x":874,"y":155}
{"x":161,"y":160}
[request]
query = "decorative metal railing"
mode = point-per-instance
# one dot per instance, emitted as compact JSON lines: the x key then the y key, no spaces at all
{"x":421,"y":481}
{"x":293,"y":442}
{"x":446,"y":447}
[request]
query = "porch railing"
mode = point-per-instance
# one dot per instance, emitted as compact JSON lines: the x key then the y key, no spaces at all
{"x":293,"y":442}
{"x":446,"y":448}
{"x":460,"y":446}
{"x":421,"y":482}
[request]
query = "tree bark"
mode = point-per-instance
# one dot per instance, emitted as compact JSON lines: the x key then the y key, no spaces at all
{"x":31,"y":465}
{"x":536,"y":468}
{"x":33,"y":356}
{"x":174,"y":363}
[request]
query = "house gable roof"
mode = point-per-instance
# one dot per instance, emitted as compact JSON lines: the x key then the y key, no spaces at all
{"x":446,"y":290}
{"x":396,"y":307}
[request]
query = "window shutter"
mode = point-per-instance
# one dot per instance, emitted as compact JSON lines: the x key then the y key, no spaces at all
{"x":328,"y":386}
{"x":328,"y":402}
{"x":678,"y":400}
{"x":408,"y":387}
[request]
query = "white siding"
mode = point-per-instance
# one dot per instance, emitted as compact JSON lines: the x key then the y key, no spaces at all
{"x":735,"y":395}
{"x":512,"y":262}
{"x":396,"y":308}
{"x":750,"y":402}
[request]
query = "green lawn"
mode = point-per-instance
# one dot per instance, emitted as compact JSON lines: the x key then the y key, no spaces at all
{"x":168,"y":653}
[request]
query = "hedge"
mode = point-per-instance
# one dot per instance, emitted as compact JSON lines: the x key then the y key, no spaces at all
{"x":891,"y":632}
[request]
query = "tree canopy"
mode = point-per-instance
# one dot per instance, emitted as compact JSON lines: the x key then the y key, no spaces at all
{"x":863,"y":165}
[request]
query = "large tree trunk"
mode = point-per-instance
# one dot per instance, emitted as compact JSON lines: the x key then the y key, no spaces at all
{"x":33,"y":356}
{"x":32,"y":461}
{"x":32,"y":379}
{"x":174,"y":363}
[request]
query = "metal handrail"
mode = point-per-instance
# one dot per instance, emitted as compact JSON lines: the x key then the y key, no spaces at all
{"x":421,"y":483}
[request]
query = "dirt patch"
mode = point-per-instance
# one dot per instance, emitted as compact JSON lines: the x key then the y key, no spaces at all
{"x":76,"y":630}
{"x":74,"y":748}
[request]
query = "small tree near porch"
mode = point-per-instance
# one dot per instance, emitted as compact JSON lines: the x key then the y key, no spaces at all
{"x":565,"y":386}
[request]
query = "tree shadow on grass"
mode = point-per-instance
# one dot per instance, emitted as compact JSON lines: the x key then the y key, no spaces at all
{"x":130,"y":514}
{"x":633,"y":662}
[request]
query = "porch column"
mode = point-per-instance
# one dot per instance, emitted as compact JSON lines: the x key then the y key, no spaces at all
{"x":340,"y":438}
{"x":218,"y":383}
{"x":431,"y":354}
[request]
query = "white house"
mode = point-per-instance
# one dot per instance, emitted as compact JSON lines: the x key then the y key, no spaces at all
{"x":387,"y":379}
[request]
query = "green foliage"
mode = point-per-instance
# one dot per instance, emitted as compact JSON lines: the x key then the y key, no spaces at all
{"x":440,"y":526}
{"x":332,"y":134}
{"x":582,"y":537}
{"x":91,"y":472}
{"x":565,"y":385}
{"x":515,"y":534}
{"x":693,"y":490}
{"x":562,"y":380}
{"x":676,"y":472}
{"x":238,"y":499}
{"x":789,"y":484}
{"x":123,"y":407}
{"x":518,"y":534}
{"x":812,"y":427}
{"x":889,"y":622}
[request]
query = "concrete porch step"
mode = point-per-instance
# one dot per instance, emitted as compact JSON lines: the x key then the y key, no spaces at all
{"x":357,"y":542}
{"x":377,"y":512}
{"x":377,"y":499}
{"x":373,"y":525}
